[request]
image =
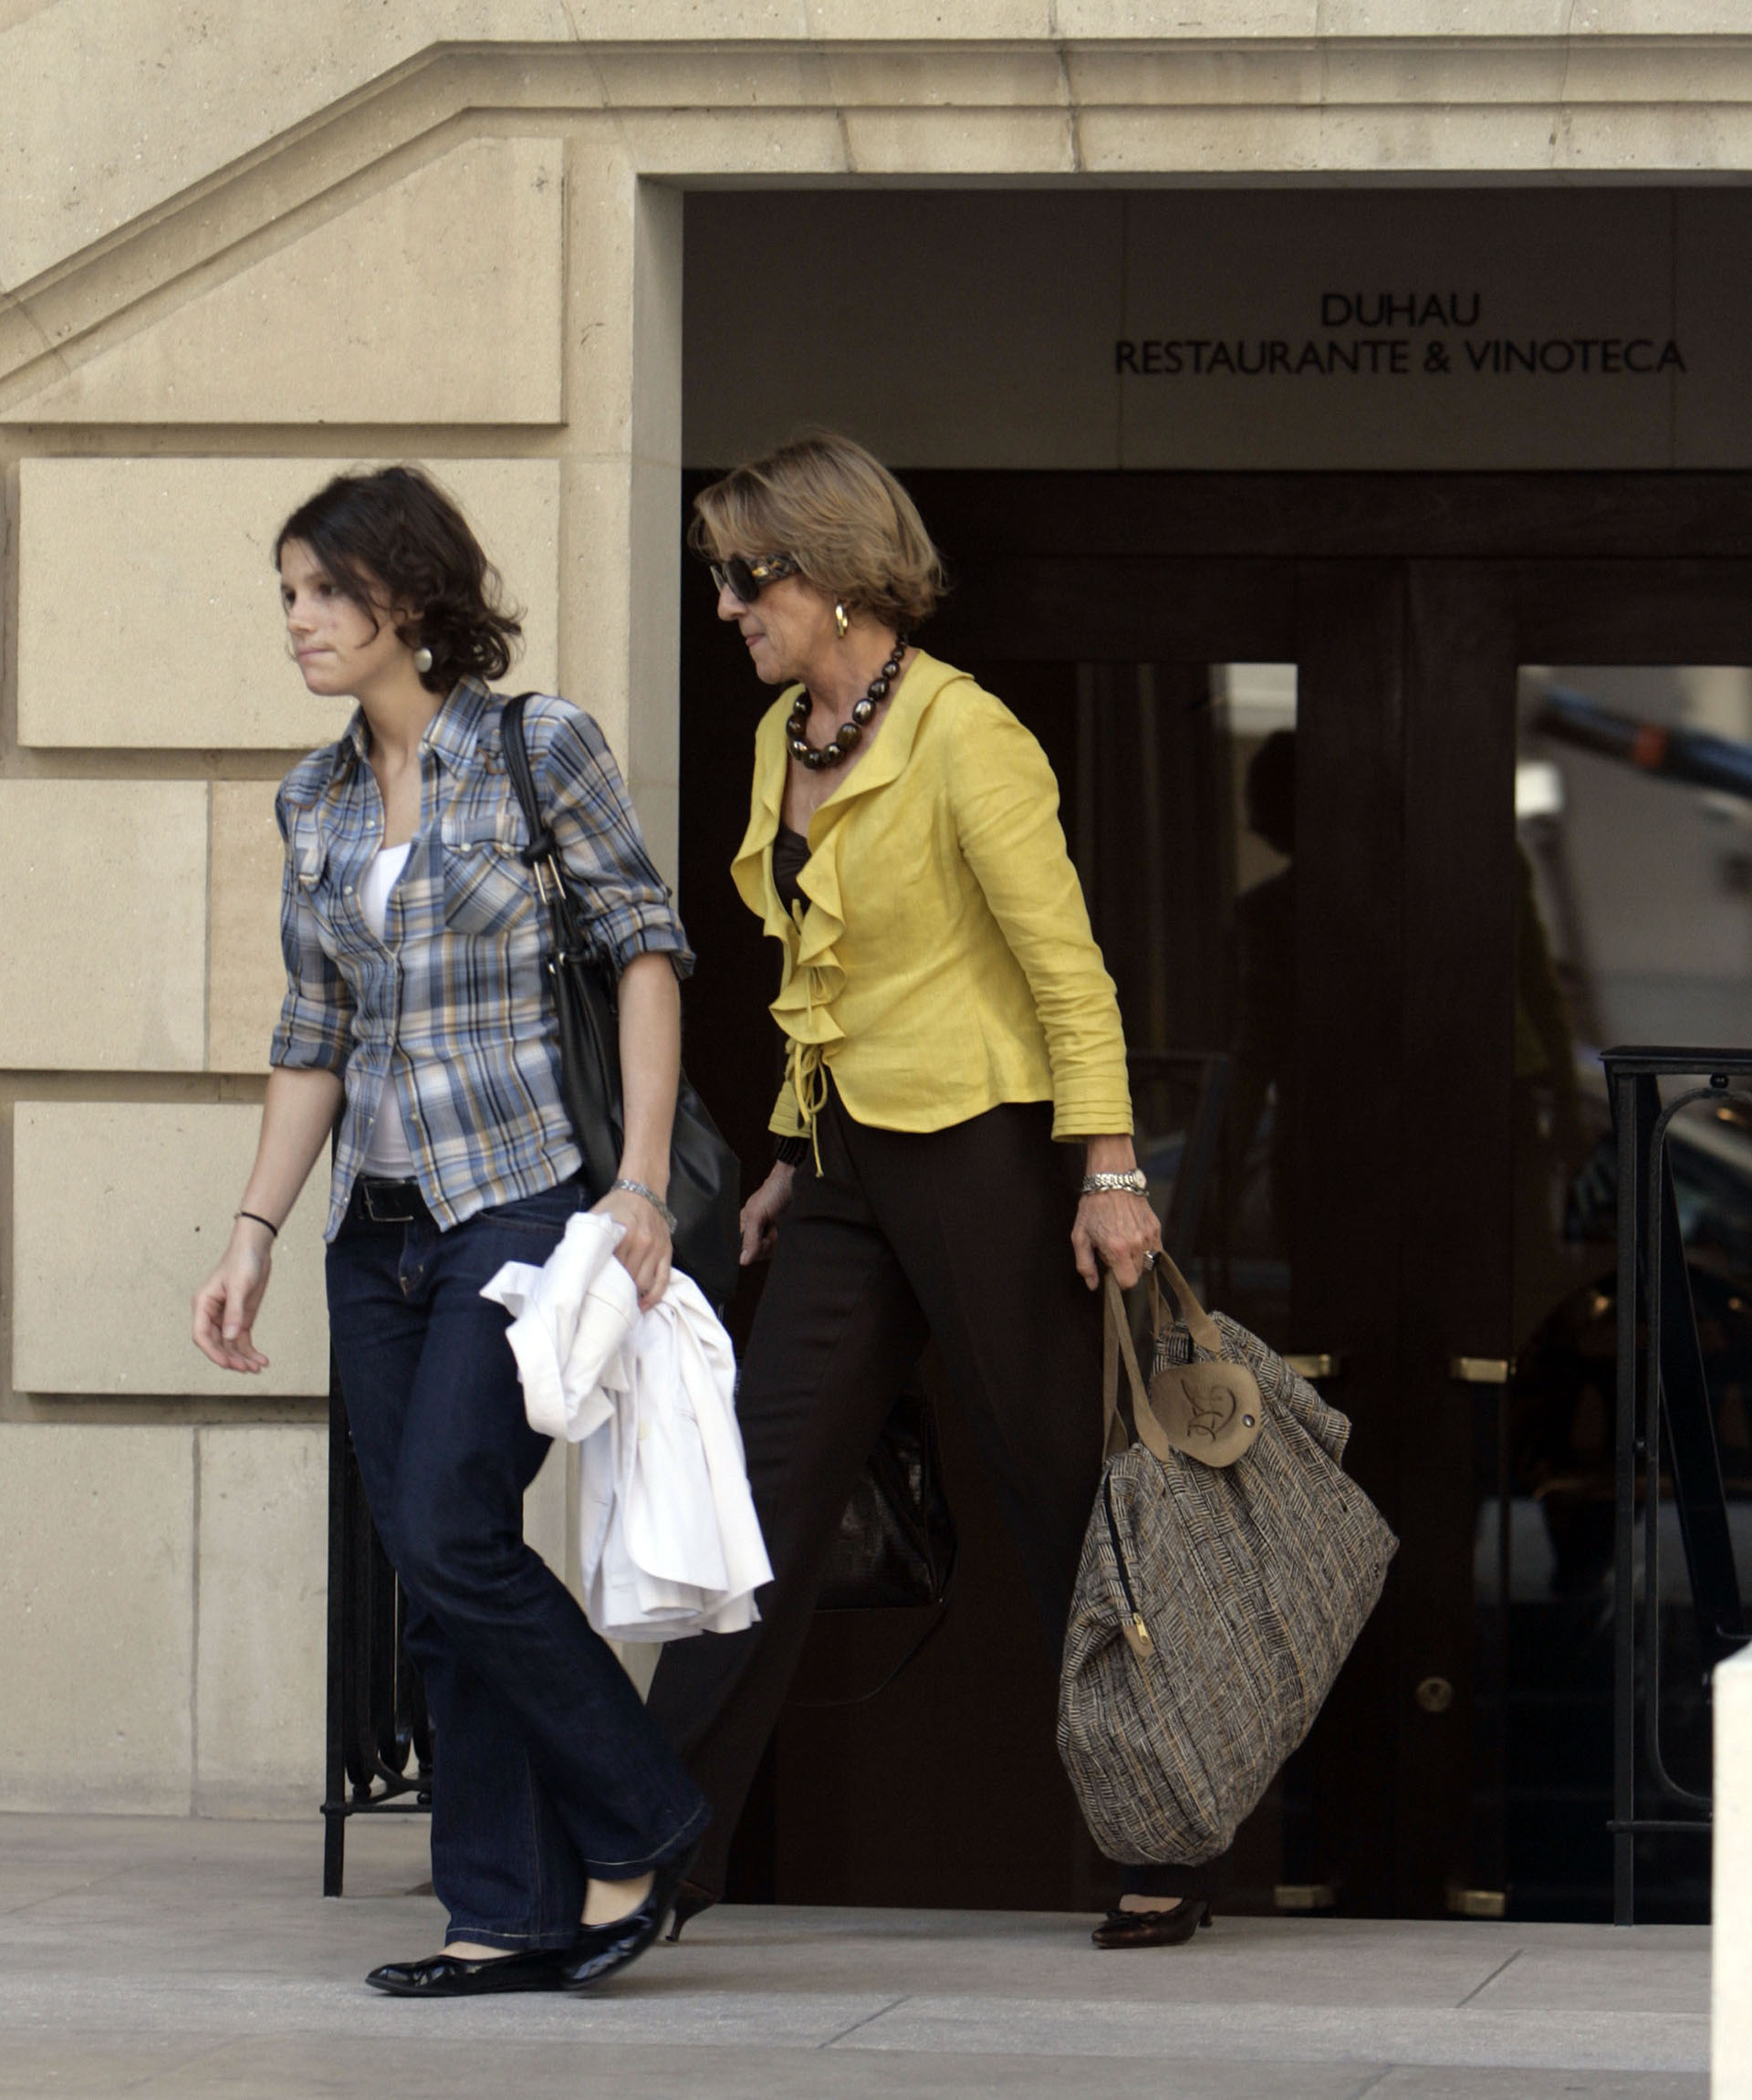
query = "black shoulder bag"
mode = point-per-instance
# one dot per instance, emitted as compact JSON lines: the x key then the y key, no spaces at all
{"x":704,"y":1179}
{"x":892,"y":1562}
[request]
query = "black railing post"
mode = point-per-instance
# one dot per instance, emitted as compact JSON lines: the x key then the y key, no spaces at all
{"x":1625,"y":1099}
{"x":1664,"y":1405}
{"x":334,"y":1791}
{"x":377,"y":1712}
{"x":1688,"y":1425}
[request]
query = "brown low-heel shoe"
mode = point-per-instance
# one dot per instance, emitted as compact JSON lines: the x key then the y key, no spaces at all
{"x":1171,"y":1927}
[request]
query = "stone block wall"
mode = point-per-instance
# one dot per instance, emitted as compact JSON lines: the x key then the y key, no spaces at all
{"x":238,"y":245}
{"x":163,"y":1581}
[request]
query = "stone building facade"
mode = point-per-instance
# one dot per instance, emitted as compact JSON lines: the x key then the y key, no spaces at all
{"x":562,"y":253}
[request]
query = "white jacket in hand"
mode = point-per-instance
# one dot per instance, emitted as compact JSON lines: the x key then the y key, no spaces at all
{"x":668,"y":1540}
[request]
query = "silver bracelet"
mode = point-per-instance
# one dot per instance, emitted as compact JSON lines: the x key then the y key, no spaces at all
{"x":652,"y":1198}
{"x":1135,"y":1183}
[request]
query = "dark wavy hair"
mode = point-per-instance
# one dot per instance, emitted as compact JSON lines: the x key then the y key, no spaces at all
{"x":394,"y":538}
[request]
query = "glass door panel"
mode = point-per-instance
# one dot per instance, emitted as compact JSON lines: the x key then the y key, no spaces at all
{"x":1633,"y":839}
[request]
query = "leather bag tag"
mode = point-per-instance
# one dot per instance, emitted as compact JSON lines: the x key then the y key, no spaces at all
{"x":1209,"y":1411}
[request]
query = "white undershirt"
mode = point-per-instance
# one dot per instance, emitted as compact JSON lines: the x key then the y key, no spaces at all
{"x":386,"y":1151}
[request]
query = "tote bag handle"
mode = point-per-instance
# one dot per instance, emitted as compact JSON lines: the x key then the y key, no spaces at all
{"x":1211,"y":1411}
{"x":1199,"y":1324}
{"x":1117,"y":1349}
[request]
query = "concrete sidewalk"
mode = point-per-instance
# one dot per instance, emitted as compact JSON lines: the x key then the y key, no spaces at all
{"x":173,"y":1959}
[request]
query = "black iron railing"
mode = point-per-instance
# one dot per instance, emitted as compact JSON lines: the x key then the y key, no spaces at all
{"x":1663,"y":1415}
{"x":380,"y":1742}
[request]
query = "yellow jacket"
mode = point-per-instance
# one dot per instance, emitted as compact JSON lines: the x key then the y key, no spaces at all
{"x":945,"y":962}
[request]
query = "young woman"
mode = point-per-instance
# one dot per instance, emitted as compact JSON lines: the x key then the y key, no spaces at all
{"x":953,"y":1036}
{"x":416,"y":1013}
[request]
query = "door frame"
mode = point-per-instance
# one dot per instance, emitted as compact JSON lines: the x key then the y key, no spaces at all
{"x":1407,"y":601}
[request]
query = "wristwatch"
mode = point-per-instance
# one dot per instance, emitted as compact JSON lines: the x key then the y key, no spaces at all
{"x":1136,"y":1183}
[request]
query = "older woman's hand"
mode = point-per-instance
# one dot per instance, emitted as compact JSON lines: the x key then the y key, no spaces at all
{"x":762,"y":1212}
{"x":1117,"y":1229}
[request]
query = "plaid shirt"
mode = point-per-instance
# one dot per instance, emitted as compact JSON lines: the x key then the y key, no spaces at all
{"x":452,"y":1005}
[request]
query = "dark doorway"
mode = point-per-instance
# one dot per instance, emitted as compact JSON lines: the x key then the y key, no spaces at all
{"x":1364,"y":1209}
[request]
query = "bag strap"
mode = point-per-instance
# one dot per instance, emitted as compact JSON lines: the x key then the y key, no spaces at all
{"x":542,"y":842}
{"x":542,"y":853}
{"x":1116,"y":1349}
{"x":1199,"y":1324}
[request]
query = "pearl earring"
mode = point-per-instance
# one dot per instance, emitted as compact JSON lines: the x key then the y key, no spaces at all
{"x":840,"y":622}
{"x":422,"y":661}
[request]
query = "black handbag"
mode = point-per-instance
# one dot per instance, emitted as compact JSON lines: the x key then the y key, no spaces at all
{"x":704,"y":1178}
{"x":890,"y":1566}
{"x":895,"y":1547}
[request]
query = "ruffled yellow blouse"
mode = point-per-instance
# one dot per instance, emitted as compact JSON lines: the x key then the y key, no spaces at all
{"x":943,"y":962}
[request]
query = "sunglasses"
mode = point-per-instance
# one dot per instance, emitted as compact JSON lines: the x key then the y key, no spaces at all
{"x":745,"y":579}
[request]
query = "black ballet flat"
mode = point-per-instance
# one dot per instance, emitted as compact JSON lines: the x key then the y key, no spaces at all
{"x":691,"y":1899}
{"x":456,"y":1976}
{"x":1171,"y":1927}
{"x":600,"y":1949}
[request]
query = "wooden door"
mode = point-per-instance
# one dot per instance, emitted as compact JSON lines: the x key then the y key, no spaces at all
{"x":1405,"y":604}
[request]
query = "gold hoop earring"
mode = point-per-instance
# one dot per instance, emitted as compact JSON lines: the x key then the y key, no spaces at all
{"x":840,"y":622}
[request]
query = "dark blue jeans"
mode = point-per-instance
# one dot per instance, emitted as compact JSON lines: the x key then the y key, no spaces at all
{"x":547,"y":1770}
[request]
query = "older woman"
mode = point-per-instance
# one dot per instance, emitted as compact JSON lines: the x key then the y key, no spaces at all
{"x":947,"y":1017}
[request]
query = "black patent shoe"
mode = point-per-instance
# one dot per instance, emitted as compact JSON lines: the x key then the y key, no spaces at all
{"x":456,"y":1976}
{"x":689,"y":1900}
{"x":1171,"y":1927}
{"x":600,"y":1949}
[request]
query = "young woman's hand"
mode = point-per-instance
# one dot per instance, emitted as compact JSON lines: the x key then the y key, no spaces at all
{"x":296,"y":1120}
{"x":227,"y":1304}
{"x":762,"y":1212}
{"x":644,"y":1251}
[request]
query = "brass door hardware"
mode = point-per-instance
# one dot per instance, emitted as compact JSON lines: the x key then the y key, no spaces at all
{"x":1305,"y":1895}
{"x":1481,"y":1370}
{"x":1477,"y":1902}
{"x":1317,"y":1366}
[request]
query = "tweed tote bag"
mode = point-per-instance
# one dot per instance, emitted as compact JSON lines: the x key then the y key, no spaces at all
{"x":1228,"y":1566}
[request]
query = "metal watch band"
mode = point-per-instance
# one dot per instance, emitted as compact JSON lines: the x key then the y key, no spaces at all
{"x":1135,"y":1183}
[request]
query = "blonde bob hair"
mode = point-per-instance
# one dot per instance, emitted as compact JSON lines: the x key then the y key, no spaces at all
{"x":851,"y":529}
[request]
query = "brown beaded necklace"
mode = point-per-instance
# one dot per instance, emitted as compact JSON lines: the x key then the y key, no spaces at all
{"x":848,"y":734}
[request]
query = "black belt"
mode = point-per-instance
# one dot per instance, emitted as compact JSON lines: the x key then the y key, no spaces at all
{"x":387,"y":1202}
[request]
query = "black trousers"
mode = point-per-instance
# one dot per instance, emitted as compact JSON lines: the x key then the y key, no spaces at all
{"x":963,"y":1235}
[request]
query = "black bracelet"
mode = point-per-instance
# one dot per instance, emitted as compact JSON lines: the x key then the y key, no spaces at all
{"x":256,"y":1217}
{"x":790,"y":1151}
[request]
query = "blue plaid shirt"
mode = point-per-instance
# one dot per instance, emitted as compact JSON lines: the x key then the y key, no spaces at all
{"x":452,"y":1007}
